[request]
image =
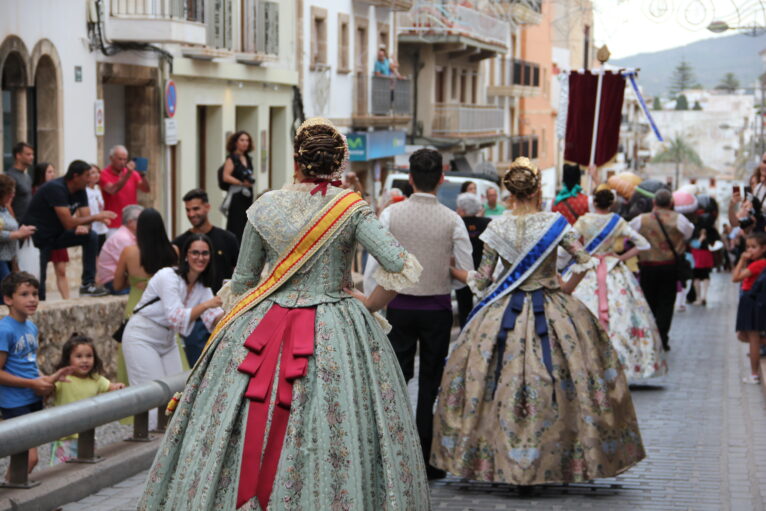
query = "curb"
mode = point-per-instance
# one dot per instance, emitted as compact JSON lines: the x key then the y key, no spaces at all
{"x":71,"y":482}
{"x":763,"y":375}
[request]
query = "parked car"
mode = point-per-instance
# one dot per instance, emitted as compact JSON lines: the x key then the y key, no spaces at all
{"x":450,"y":189}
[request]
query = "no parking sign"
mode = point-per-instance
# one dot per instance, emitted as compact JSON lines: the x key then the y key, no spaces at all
{"x":171,"y":97}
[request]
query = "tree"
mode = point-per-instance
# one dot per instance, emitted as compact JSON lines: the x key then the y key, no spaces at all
{"x":682,"y":103}
{"x":678,"y":152}
{"x":683,"y":78}
{"x":657,"y":105}
{"x":697,"y":105}
{"x":729,"y":83}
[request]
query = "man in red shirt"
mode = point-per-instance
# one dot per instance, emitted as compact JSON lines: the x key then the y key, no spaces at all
{"x":120,"y":183}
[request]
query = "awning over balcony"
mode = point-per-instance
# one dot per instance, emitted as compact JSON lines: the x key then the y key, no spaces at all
{"x":372,"y":145}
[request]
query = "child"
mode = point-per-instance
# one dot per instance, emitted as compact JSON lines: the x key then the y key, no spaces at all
{"x":21,"y":386}
{"x":703,"y":265}
{"x":751,"y":321}
{"x":96,"y":204}
{"x":86,"y":380}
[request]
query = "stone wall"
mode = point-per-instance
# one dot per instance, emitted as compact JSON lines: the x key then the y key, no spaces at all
{"x":97,"y":318}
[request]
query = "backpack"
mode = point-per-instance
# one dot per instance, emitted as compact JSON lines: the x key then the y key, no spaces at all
{"x":223,"y":185}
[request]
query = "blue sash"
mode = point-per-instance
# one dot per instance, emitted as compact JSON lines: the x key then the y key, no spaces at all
{"x":517,"y":273}
{"x":598,"y":239}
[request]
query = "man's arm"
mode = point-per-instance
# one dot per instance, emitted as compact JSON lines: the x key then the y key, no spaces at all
{"x":685,"y":226}
{"x":71,"y":222}
{"x":462,"y":250}
{"x":143,"y":185}
{"x":112,"y":188}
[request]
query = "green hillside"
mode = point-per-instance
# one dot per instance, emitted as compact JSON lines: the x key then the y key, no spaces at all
{"x":710,"y":59}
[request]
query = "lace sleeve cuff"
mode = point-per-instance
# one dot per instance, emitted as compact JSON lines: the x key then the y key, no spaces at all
{"x":382,"y":322}
{"x":476,"y":287}
{"x":228,"y":297}
{"x":587,"y":265}
{"x":401,"y":280}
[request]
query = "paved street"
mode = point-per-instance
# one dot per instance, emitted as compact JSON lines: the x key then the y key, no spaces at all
{"x":705,"y":433}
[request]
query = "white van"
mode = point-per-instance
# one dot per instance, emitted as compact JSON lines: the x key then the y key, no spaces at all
{"x":450,"y":189}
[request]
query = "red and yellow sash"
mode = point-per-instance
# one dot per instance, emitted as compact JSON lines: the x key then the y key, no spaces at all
{"x":312,"y":238}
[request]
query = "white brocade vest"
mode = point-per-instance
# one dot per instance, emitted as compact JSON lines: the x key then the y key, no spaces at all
{"x":425,"y":228}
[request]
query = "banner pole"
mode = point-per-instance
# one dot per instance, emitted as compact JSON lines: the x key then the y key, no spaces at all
{"x":594,"y":138}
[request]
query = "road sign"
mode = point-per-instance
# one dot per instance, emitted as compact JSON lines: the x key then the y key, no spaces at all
{"x":171,"y":98}
{"x":171,"y":132}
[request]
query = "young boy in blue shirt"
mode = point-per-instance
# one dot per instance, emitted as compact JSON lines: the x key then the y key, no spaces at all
{"x":22,"y":388}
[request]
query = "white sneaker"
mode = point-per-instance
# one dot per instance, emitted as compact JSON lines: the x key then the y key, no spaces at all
{"x":752,"y":379}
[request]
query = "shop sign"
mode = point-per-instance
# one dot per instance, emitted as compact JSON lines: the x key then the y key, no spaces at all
{"x":372,"y":145}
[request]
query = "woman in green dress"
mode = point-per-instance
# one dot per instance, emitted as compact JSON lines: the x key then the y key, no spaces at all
{"x":298,"y":402}
{"x":152,"y":252}
{"x":533,"y":391}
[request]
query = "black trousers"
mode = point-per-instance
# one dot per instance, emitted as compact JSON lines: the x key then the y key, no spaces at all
{"x":659,"y":286}
{"x":464,"y":298}
{"x":89,"y":244}
{"x":432,"y":329}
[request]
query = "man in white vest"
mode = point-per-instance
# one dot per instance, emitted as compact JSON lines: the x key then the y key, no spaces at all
{"x":423,"y":314}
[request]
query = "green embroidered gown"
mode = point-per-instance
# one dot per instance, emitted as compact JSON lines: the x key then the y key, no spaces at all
{"x":351,"y":441}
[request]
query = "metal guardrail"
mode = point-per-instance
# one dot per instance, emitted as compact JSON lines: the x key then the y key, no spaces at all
{"x":391,"y":95}
{"x":20,"y":434}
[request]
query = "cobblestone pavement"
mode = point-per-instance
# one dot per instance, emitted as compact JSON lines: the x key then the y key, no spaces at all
{"x":705,"y":433}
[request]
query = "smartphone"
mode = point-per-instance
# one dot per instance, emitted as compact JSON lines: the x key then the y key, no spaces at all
{"x":735,"y":189}
{"x":142,"y":164}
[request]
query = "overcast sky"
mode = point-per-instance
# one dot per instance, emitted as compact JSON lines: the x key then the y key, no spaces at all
{"x":639,"y":26}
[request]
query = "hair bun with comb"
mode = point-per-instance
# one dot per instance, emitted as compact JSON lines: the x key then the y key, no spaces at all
{"x":522,"y":179}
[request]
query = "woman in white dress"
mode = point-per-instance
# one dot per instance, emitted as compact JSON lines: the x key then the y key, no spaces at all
{"x":173,"y":300}
{"x":613,"y":294}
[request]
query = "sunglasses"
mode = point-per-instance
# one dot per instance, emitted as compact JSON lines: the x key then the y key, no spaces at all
{"x":199,"y":253}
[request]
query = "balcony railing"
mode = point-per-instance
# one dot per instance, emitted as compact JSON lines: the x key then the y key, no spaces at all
{"x":452,"y":121}
{"x":184,"y":10}
{"x":391,"y":96}
{"x":524,"y":145}
{"x":428,"y":19}
{"x":162,"y":21}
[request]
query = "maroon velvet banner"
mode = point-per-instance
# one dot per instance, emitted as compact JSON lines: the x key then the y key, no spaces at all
{"x":582,"y":110}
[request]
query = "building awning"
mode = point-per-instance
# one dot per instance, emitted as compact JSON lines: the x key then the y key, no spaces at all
{"x":372,"y":145}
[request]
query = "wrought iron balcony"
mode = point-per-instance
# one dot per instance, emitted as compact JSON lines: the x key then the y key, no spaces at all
{"x":516,"y":78}
{"x":466,"y":121}
{"x":157,"y":21}
{"x":430,"y":22}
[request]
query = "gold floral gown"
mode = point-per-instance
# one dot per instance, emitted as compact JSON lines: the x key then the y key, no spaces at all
{"x":628,"y":318}
{"x":533,"y":391}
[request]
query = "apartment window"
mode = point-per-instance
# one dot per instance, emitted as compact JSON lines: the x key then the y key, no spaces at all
{"x":503,"y":78}
{"x":536,"y":76}
{"x":260,"y":27}
{"x":454,"y":83}
{"x":344,"y":30}
{"x":318,"y":38}
{"x":492,"y":63}
{"x":586,"y":47}
{"x":439,"y":83}
{"x":463,"y":86}
{"x":383,"y":38}
{"x":219,"y":24}
{"x":474,"y":88}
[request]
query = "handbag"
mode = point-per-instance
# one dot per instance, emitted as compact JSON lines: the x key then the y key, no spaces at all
{"x":117,"y":335}
{"x":683,"y":268}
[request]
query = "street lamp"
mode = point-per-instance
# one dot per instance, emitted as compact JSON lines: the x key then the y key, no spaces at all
{"x":718,"y":27}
